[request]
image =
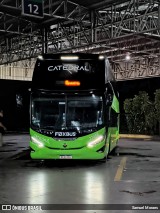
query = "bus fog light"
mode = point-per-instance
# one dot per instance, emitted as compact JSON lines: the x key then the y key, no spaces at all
{"x":37,"y":141}
{"x":94,"y":142}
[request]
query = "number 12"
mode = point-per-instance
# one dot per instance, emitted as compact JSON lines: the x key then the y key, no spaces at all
{"x":33,"y":8}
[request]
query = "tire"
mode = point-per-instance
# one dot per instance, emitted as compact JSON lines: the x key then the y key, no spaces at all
{"x":103,"y":160}
{"x":115,"y":151}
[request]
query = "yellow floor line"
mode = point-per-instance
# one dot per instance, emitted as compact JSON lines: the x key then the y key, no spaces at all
{"x":119,"y":172}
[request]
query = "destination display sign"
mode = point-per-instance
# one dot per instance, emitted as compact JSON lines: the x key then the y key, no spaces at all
{"x":70,"y":72}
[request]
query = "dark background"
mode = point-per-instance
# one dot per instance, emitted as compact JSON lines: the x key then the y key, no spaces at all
{"x":16,"y":118}
{"x":130,"y":88}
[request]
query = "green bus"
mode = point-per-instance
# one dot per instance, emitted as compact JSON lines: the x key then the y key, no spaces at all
{"x":74,"y":107}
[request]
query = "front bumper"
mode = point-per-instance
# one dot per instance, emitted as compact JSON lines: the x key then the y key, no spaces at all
{"x":97,"y":152}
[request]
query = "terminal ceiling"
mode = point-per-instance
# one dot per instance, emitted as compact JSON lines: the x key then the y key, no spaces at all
{"x":113,"y":27}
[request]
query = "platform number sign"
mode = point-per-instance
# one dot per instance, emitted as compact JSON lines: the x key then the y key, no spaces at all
{"x":32,"y":8}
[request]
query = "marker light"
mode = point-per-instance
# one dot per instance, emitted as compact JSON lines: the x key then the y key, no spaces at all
{"x":97,"y":140}
{"x":40,"y":57}
{"x":72,"y":83}
{"x":68,"y":58}
{"x":101,"y":57}
{"x":36,"y":141}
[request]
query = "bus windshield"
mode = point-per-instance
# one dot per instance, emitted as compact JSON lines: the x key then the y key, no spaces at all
{"x":67,"y":112}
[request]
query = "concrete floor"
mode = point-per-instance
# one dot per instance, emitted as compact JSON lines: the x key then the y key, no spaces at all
{"x":131,"y":177}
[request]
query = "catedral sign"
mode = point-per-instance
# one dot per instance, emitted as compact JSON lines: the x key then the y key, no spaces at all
{"x":68,"y":67}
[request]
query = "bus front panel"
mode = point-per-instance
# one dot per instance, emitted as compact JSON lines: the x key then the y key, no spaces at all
{"x":67,"y":126}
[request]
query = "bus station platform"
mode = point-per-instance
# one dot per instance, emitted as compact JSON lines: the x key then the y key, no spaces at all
{"x":129,"y":179}
{"x":14,"y":145}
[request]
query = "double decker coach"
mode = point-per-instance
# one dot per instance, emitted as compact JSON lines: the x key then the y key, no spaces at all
{"x":74,"y":107}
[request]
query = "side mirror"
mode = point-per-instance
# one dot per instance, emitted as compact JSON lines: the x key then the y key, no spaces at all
{"x":109,"y":100}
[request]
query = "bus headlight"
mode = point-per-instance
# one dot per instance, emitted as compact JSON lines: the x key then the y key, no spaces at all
{"x":37,"y":141}
{"x":97,"y":140}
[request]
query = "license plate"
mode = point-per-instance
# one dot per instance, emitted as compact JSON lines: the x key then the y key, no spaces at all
{"x":65,"y":157}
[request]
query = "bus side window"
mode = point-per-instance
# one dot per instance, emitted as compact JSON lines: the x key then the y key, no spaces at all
{"x":113,"y":118}
{"x":109,"y":94}
{"x":112,"y":115}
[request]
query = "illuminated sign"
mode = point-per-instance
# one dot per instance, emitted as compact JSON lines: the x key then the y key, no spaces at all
{"x":68,"y":67}
{"x":32,"y":8}
{"x":65,"y":134}
{"x":72,"y":83}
